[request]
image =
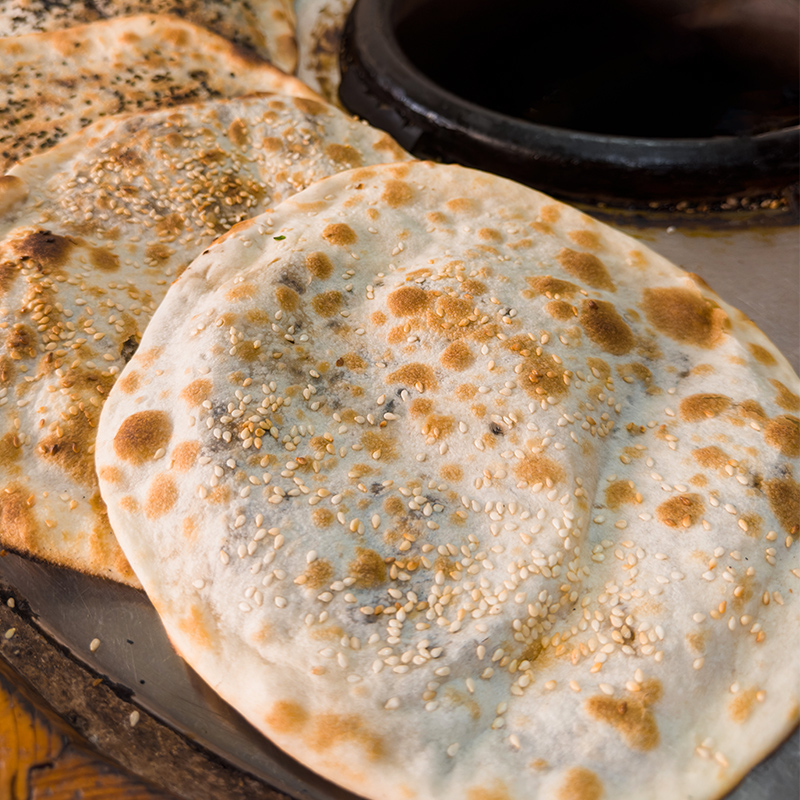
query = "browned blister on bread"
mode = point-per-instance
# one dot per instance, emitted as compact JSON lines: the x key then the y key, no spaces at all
{"x":462,"y":494}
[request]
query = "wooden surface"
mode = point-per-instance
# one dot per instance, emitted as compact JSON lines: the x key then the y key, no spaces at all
{"x":52,"y":704}
{"x":42,"y":759}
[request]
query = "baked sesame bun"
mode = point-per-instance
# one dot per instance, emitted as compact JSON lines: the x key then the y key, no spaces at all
{"x":91,"y":235}
{"x":53,"y":84}
{"x":456,"y":493}
{"x":264,"y":27}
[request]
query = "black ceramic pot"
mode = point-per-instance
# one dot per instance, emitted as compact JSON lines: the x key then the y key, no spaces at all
{"x":387,"y":63}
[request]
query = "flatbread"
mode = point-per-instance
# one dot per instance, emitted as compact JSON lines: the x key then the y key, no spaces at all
{"x":53,"y":84}
{"x":457,"y":493}
{"x":319,"y":37}
{"x":91,"y":235}
{"x":264,"y":26}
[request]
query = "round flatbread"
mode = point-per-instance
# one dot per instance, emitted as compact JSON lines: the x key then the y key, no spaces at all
{"x":457,"y":493}
{"x":53,"y":84}
{"x":266,"y":26}
{"x":319,"y":36}
{"x":91,"y":235}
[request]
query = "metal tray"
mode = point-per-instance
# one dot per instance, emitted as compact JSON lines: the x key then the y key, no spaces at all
{"x":188,"y":741}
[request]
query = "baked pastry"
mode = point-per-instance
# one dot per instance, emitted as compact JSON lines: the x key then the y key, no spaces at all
{"x":92,"y":233}
{"x":53,"y":84}
{"x":455,"y":492}
{"x":319,"y":37}
{"x":265,"y":27}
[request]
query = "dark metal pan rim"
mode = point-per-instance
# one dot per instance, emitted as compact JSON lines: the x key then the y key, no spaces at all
{"x":379,"y":79}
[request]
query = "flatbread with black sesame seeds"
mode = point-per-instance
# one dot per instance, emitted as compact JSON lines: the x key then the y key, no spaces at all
{"x":91,"y":235}
{"x":456,"y":493}
{"x":53,"y":84}
{"x":266,"y":27}
{"x":319,"y":36}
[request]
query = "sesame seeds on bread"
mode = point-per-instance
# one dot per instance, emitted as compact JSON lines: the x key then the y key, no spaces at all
{"x":92,"y":233}
{"x":265,"y":27}
{"x":457,"y":493}
{"x":53,"y":84}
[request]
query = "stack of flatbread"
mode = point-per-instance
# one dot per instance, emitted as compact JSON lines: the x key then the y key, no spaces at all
{"x":94,"y":231}
{"x":452,"y":491}
{"x":97,"y":219}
